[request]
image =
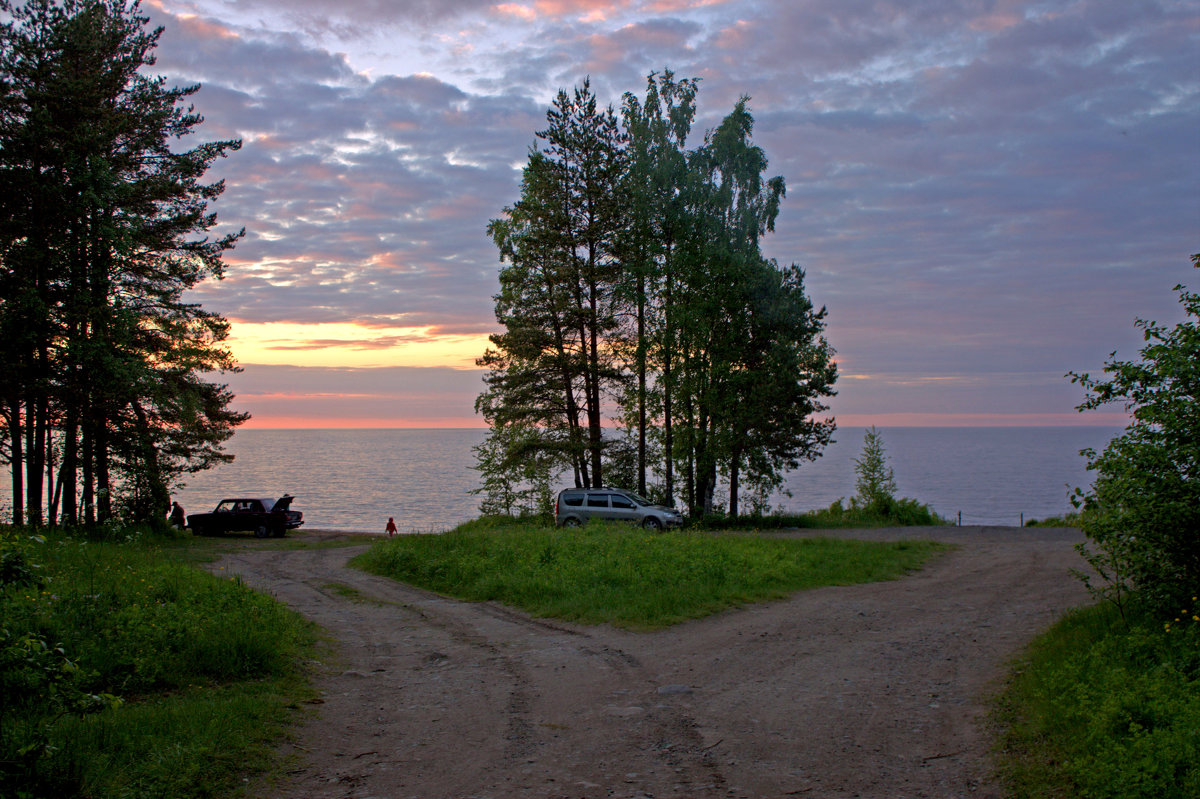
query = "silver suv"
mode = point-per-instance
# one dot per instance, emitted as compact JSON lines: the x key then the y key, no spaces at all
{"x":576,"y":505}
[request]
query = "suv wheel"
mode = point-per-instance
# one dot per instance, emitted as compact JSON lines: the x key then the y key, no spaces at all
{"x":570,"y":521}
{"x":651,"y":523}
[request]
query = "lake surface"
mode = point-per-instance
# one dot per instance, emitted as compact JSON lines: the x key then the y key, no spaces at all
{"x":356,"y":479}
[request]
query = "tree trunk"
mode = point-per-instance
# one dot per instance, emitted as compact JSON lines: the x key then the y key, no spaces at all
{"x":51,"y":486}
{"x":595,"y":418}
{"x":734,"y":465}
{"x":668,"y":391}
{"x":15,"y":435}
{"x":641,"y":377}
{"x":68,"y":476}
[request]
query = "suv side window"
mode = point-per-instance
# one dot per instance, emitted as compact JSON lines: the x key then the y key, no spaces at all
{"x":597,"y":500}
{"x":619,"y":501}
{"x":574,"y":500}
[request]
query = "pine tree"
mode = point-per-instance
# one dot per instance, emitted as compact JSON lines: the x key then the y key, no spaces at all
{"x":103,"y":227}
{"x":556,"y":363}
{"x":876,"y":483}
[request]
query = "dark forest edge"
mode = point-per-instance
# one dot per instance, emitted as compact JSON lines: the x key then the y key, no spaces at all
{"x":104,"y":225}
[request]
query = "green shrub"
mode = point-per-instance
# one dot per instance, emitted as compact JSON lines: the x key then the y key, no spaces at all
{"x":123,"y":671}
{"x":1069,"y":520}
{"x":876,"y":483}
{"x":889,"y":512}
{"x":1142,"y":517}
{"x":1103,"y":710}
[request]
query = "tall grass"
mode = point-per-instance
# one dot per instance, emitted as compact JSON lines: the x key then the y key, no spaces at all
{"x":1104,"y":709}
{"x":194,"y":673}
{"x":628,"y":577}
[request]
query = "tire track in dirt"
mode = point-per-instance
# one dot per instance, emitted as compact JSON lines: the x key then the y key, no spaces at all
{"x":871,"y":691}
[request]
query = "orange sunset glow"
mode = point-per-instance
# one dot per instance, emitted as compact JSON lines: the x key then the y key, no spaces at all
{"x":346,"y":344}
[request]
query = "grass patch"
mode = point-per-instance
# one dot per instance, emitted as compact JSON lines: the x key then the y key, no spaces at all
{"x":1099,"y":709}
{"x":888,"y":512}
{"x":628,"y":577}
{"x":1068,"y":520}
{"x":352,"y":594}
{"x":129,"y":673}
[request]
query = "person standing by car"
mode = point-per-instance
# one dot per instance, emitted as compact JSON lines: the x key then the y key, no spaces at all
{"x":178,"y":519}
{"x":391,"y":527}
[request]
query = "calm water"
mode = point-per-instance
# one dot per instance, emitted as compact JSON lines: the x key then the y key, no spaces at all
{"x":355,"y":479}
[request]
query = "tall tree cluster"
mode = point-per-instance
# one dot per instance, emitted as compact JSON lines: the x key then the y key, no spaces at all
{"x":634,"y":289}
{"x":103,"y":227}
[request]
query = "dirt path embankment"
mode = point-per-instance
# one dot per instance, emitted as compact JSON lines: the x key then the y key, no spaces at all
{"x":864,"y":691}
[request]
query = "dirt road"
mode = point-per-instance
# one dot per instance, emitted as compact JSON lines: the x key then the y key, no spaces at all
{"x":866,"y":691}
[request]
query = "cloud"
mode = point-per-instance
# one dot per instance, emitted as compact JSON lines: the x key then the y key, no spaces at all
{"x":332,"y":397}
{"x":991,"y":189}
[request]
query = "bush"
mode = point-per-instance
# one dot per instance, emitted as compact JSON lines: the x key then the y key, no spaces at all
{"x":1104,"y":710}
{"x":889,"y":512}
{"x":1142,"y":517}
{"x":1069,"y":520}
{"x":126,"y":672}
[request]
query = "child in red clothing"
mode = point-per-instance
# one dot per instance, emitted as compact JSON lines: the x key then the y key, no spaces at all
{"x":391,"y":526}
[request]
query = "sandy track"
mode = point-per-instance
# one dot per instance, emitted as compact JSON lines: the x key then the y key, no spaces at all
{"x":865,"y":691}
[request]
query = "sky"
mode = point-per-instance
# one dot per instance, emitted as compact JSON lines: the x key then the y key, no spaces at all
{"x":985,"y":195}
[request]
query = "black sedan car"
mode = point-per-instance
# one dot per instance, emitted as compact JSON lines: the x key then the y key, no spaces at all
{"x":263,"y":517}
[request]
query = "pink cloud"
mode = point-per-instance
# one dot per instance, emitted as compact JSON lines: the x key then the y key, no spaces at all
{"x":515,"y":10}
{"x":736,"y":37}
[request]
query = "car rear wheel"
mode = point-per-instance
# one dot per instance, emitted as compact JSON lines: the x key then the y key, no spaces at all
{"x":571,"y":522}
{"x":651,"y":523}
{"x":261,"y":531}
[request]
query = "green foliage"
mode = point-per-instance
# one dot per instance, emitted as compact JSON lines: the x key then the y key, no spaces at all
{"x":516,"y":471}
{"x":104,"y":225}
{"x":902,"y":512}
{"x":894,"y":513}
{"x":1069,"y":520}
{"x":1106,"y":709}
{"x":1142,"y":516}
{"x":634,"y":273}
{"x":876,"y":484}
{"x":614,"y":574}
{"x":126,"y":673}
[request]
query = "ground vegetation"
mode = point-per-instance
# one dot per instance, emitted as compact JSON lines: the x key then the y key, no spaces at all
{"x":127,"y":672}
{"x":608,"y":573}
{"x":1142,"y":514}
{"x":1107,"y":703}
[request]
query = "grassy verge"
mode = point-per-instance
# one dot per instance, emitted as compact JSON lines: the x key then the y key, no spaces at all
{"x":128,"y":673}
{"x":628,"y":577}
{"x":1099,"y":709}
{"x":889,"y":512}
{"x":1068,"y":520}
